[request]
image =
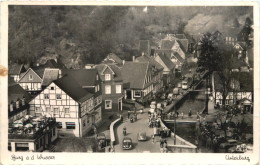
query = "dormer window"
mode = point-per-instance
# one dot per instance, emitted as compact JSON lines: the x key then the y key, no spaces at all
{"x":30,"y":77}
{"x":107,"y":77}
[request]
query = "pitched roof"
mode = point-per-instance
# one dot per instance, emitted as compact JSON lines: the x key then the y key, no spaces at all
{"x":167,"y":44}
{"x":135,"y":73}
{"x":242,"y":45}
{"x":85,"y":77}
{"x":184,"y":44}
{"x":179,"y":58}
{"x":49,"y":76}
{"x":114,"y":57}
{"x":166,"y":52}
{"x":15,"y":69}
{"x":169,"y":64}
{"x":113,"y":67}
{"x":150,"y":60}
{"x":15,"y":91}
{"x":72,"y":88}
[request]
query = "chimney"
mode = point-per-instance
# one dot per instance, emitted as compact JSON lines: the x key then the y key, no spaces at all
{"x":60,"y":73}
{"x":123,"y":62}
{"x":133,"y":58}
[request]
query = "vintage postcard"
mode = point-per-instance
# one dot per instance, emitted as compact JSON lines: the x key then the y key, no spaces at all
{"x":106,"y":82}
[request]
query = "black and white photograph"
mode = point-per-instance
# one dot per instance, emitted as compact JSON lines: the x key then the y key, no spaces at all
{"x":143,"y":79}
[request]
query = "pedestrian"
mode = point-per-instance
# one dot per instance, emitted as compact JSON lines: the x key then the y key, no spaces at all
{"x":165,"y":143}
{"x":152,"y":138}
{"x":177,"y":114}
{"x":128,"y":114}
{"x":182,"y":115}
{"x":161,"y":143}
{"x":190,"y":113}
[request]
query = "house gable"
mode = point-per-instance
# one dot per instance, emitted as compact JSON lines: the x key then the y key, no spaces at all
{"x":107,"y":70}
{"x":30,"y":76}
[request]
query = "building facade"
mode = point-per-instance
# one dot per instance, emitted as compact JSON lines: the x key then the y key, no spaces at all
{"x":112,"y":86}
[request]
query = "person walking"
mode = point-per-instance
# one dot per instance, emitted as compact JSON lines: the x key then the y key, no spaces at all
{"x":128,"y":114}
{"x":152,"y":138}
{"x":177,"y":114}
{"x":182,"y":115}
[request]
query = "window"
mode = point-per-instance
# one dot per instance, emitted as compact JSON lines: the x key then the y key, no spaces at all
{"x":118,"y":88}
{"x":52,"y":88}
{"x":59,"y":126}
{"x":138,"y":93}
{"x":108,"y":89}
{"x":70,"y":125}
{"x":107,"y":77}
{"x":58,"y":96}
{"x":46,"y":96}
{"x":37,"y":110}
{"x":84,"y":123}
{"x":56,"y":111}
{"x":108,"y":104}
{"x":67,"y":110}
{"x":48,"y":109}
{"x":30,"y":77}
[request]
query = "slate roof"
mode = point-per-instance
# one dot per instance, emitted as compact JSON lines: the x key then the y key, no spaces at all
{"x":49,"y":76}
{"x":114,"y":68}
{"x":242,"y":44}
{"x":184,"y":44}
{"x":72,"y":88}
{"x":115,"y":58}
{"x":15,"y":69}
{"x":150,"y":60}
{"x":15,"y":91}
{"x":167,"y":44}
{"x":176,"y":54}
{"x":166,"y":52}
{"x":135,"y":73}
{"x":85,"y":77}
{"x":170,"y":65}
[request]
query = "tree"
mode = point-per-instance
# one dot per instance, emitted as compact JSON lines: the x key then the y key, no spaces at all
{"x":216,"y":56}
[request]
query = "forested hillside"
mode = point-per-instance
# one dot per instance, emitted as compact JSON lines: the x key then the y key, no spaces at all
{"x":86,"y":34}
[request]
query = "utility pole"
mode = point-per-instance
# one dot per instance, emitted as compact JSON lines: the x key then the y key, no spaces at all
{"x":174,"y":125}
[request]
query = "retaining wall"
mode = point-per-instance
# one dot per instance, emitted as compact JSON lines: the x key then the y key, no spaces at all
{"x":112,"y":132}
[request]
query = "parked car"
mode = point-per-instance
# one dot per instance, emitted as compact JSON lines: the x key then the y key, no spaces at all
{"x":101,"y":139}
{"x":141,"y":136}
{"x":170,"y":96}
{"x":127,"y":143}
{"x":176,"y":91}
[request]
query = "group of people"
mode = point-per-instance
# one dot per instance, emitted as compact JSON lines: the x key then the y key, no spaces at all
{"x":153,"y":120}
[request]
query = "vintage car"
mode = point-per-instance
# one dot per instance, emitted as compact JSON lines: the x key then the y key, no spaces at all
{"x":127,"y":143}
{"x":101,"y":140}
{"x":141,"y":136}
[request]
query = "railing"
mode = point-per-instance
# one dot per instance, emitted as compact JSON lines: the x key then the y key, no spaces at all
{"x":181,"y":144}
{"x":112,"y":133}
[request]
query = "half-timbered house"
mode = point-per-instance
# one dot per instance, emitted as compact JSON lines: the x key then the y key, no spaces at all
{"x":15,"y":71}
{"x":65,"y":100}
{"x":241,"y":87}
